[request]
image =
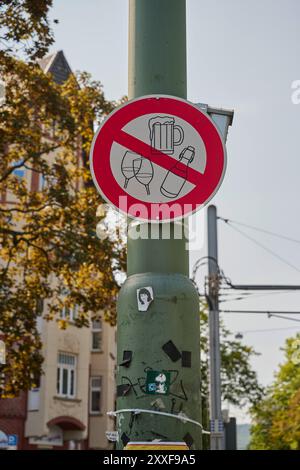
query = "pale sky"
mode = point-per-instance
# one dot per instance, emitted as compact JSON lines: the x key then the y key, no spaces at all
{"x":242,"y":55}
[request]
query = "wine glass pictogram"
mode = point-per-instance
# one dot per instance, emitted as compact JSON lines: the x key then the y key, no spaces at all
{"x":138,"y":167}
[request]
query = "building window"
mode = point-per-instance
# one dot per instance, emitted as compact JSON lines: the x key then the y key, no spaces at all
{"x":69,"y":313}
{"x":19,"y":172}
{"x":54,"y":128}
{"x":42,"y":182}
{"x":2,"y":352}
{"x":66,"y":375}
{"x":97,"y":335}
{"x":2,"y":92}
{"x":95,"y":395}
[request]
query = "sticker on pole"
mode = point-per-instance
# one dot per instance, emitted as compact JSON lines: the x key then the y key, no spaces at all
{"x":157,"y":382}
{"x":158,"y":158}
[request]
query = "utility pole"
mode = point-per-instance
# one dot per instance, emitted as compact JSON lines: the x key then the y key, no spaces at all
{"x":166,"y":338}
{"x":217,"y":432}
{"x":217,"y":436}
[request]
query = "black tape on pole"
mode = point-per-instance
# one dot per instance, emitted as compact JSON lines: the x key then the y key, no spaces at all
{"x":188,"y":440}
{"x":171,"y":350}
{"x":186,"y":360}
{"x":127,"y":358}
{"x":123,"y":390}
{"x":125,"y":439}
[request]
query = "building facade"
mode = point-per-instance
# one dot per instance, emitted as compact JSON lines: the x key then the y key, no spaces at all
{"x":77,"y":388}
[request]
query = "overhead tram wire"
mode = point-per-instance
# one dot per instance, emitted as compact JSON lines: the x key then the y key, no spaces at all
{"x":264,"y":330}
{"x":265,"y":312}
{"x":283,"y":317}
{"x":268,"y":232}
{"x":202,"y":262}
{"x":204,"y":259}
{"x":268,"y":250}
{"x":250,"y":295}
{"x":229,"y":286}
{"x":269,"y":313}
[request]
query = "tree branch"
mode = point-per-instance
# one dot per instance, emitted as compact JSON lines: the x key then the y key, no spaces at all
{"x":31,"y":156}
{"x":26,"y":211}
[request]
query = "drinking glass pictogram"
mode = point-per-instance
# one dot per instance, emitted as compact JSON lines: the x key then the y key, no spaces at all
{"x":143,"y":172}
{"x":127,"y":168}
{"x":138,"y":167}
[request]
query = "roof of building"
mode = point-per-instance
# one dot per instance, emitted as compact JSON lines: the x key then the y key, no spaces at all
{"x":57,"y":65}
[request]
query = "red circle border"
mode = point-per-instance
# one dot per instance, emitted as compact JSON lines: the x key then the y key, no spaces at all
{"x":104,"y":138}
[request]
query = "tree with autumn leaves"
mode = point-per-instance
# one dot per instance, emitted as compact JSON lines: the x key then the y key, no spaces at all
{"x":50,"y":255}
{"x":25,"y":28}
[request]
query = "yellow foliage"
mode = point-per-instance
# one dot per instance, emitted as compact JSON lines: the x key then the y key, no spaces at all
{"x":49,"y":250}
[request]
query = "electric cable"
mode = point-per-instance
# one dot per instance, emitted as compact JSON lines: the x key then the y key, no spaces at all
{"x":250,"y":295}
{"x":265,"y":330}
{"x":263,"y":312}
{"x":268,"y":232}
{"x":137,"y":411}
{"x":268,"y":250}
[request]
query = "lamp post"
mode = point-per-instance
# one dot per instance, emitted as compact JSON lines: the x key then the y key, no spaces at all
{"x":223,"y":119}
{"x":165,"y":339}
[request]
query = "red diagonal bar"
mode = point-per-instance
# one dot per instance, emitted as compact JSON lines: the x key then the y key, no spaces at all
{"x":141,"y":148}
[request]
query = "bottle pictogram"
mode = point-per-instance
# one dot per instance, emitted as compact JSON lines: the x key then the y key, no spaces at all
{"x":177,"y":176}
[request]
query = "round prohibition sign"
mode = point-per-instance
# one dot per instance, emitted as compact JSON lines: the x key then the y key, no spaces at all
{"x":200,"y":186}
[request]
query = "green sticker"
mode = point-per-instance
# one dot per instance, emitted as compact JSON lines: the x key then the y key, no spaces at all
{"x":157,"y":382}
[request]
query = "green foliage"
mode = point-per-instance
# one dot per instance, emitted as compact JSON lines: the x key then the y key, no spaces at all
{"x":277,"y":417}
{"x":239,"y":381}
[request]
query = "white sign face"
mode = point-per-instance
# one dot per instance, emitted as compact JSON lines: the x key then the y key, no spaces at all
{"x":144,"y":298}
{"x":147,"y":181}
{"x":160,"y":153}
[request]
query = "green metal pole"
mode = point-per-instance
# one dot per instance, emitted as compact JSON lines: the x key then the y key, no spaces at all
{"x":157,"y":47}
{"x":166,"y":337}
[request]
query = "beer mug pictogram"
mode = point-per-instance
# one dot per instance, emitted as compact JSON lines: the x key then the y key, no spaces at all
{"x":165,"y":134}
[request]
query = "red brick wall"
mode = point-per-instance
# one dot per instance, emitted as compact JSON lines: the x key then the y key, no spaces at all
{"x":14,"y":407}
{"x":13,"y":416}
